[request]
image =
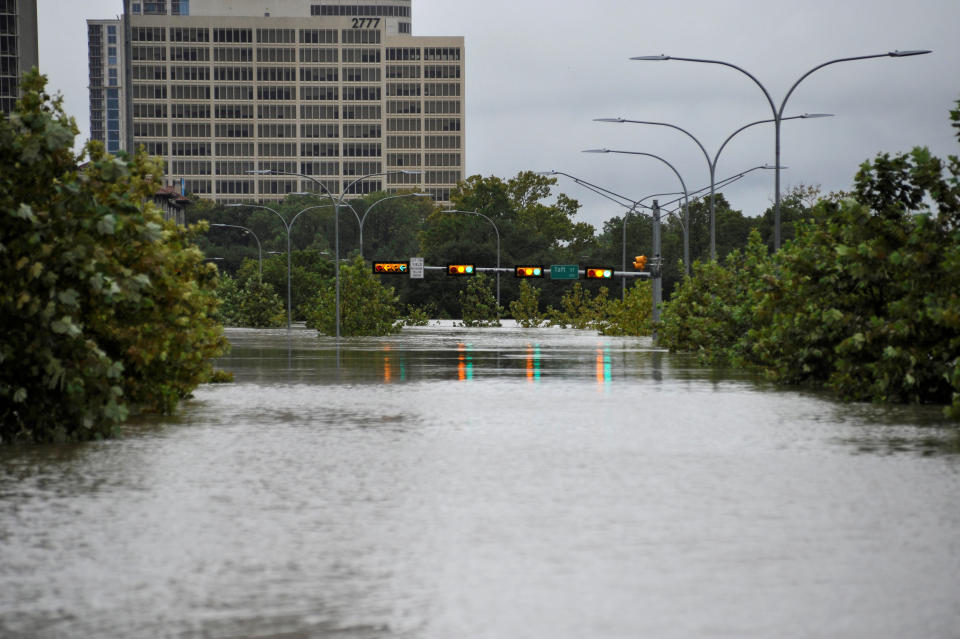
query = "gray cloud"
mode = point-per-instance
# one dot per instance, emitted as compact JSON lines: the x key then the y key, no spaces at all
{"x":539,"y":72}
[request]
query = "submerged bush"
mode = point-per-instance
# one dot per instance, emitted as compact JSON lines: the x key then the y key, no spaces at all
{"x":107,"y":309}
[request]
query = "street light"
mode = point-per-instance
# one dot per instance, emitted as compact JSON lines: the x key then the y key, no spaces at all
{"x":686,"y":197}
{"x":287,"y":227}
{"x":778,"y":113}
{"x":363,"y":219}
{"x":496,"y":230}
{"x":337,"y":203}
{"x":631,"y":208}
{"x":712,"y":164}
{"x":259,"y":248}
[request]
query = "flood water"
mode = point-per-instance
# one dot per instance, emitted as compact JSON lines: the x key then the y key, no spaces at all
{"x":487,"y":483}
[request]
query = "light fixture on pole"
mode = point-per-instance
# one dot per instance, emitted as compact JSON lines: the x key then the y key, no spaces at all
{"x":287,"y":227}
{"x":686,"y":197}
{"x":712,"y":163}
{"x":778,"y":113}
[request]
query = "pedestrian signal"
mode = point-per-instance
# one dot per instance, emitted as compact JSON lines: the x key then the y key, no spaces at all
{"x":460,"y":270}
{"x":640,"y":262}
{"x":599,"y":273}
{"x":529,"y":271}
{"x":381,"y":268}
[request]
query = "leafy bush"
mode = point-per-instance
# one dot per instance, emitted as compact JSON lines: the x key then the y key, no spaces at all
{"x":711,"y":309}
{"x":631,"y":316}
{"x":526,"y":309}
{"x":579,"y":309}
{"x":107,"y":309}
{"x":367,"y":307}
{"x":478,"y":305}
{"x":416,"y":316}
{"x":864,"y":301}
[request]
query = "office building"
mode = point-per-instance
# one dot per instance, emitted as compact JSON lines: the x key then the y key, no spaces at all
{"x":18,"y":47}
{"x":334,"y":90}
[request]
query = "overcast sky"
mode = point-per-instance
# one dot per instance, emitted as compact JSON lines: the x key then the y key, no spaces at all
{"x":539,"y":72}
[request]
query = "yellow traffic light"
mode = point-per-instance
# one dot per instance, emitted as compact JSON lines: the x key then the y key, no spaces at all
{"x":460,"y":270}
{"x":535,"y":270}
{"x":640,"y":262}
{"x":599,"y":273}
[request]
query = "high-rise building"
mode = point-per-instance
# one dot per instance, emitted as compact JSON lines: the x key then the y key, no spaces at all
{"x":335,"y":90}
{"x":18,"y":47}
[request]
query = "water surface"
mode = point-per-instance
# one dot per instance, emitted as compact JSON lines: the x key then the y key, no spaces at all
{"x":487,"y":483}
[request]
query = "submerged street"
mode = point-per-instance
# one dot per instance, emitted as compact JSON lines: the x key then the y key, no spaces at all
{"x":452,"y":482}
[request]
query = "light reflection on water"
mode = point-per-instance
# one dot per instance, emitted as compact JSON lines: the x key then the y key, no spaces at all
{"x":448,"y":482}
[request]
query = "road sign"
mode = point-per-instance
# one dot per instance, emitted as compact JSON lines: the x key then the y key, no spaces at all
{"x":399,"y":268}
{"x":564,"y":271}
{"x":416,"y":268}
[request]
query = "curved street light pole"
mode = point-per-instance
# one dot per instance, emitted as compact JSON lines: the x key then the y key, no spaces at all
{"x":496,"y":230}
{"x":259,"y":248}
{"x":686,"y":196}
{"x":712,"y":163}
{"x":288,"y":227}
{"x":337,"y":203}
{"x":778,"y":113}
{"x":363,"y":218}
{"x":631,"y":208}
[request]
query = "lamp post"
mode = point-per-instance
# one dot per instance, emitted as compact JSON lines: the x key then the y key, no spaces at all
{"x":686,"y":197}
{"x":496,"y":230}
{"x":259,"y":248}
{"x":337,"y":203}
{"x":631,"y":208}
{"x":287,"y":227}
{"x":778,"y":113}
{"x":363,"y":218}
{"x":712,"y":163}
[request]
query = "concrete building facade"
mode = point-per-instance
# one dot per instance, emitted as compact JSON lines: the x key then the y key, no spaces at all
{"x":223,"y":89}
{"x":18,"y":47}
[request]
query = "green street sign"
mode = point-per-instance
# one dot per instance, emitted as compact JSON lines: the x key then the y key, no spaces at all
{"x":564,"y":271}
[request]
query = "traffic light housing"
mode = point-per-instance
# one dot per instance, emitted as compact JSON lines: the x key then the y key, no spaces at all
{"x":382,"y":268}
{"x":599,"y":273}
{"x":640,"y":262}
{"x":461,"y":270}
{"x":530,"y":270}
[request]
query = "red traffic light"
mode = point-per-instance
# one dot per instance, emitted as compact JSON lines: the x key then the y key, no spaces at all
{"x":381,"y":268}
{"x":535,"y":270}
{"x":599,"y":273}
{"x":640,"y":262}
{"x":460,"y":270}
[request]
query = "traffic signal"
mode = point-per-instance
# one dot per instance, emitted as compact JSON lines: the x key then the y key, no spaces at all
{"x":460,"y":270}
{"x":640,"y":262}
{"x":599,"y":273}
{"x":381,"y":268}
{"x":529,"y":271}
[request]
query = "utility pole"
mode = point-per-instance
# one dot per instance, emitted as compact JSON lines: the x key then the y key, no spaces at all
{"x":656,"y":269}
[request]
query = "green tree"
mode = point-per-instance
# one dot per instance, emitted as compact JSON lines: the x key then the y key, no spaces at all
{"x":526,"y":308}
{"x":478,"y":305}
{"x":631,"y":316}
{"x":578,"y":309}
{"x":260,"y":306}
{"x":711,"y":310}
{"x":366,"y":306}
{"x":107,"y":309}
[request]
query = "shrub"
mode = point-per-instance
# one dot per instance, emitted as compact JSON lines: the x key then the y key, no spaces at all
{"x":367,"y":307}
{"x":478,"y":305}
{"x":107,"y":309}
